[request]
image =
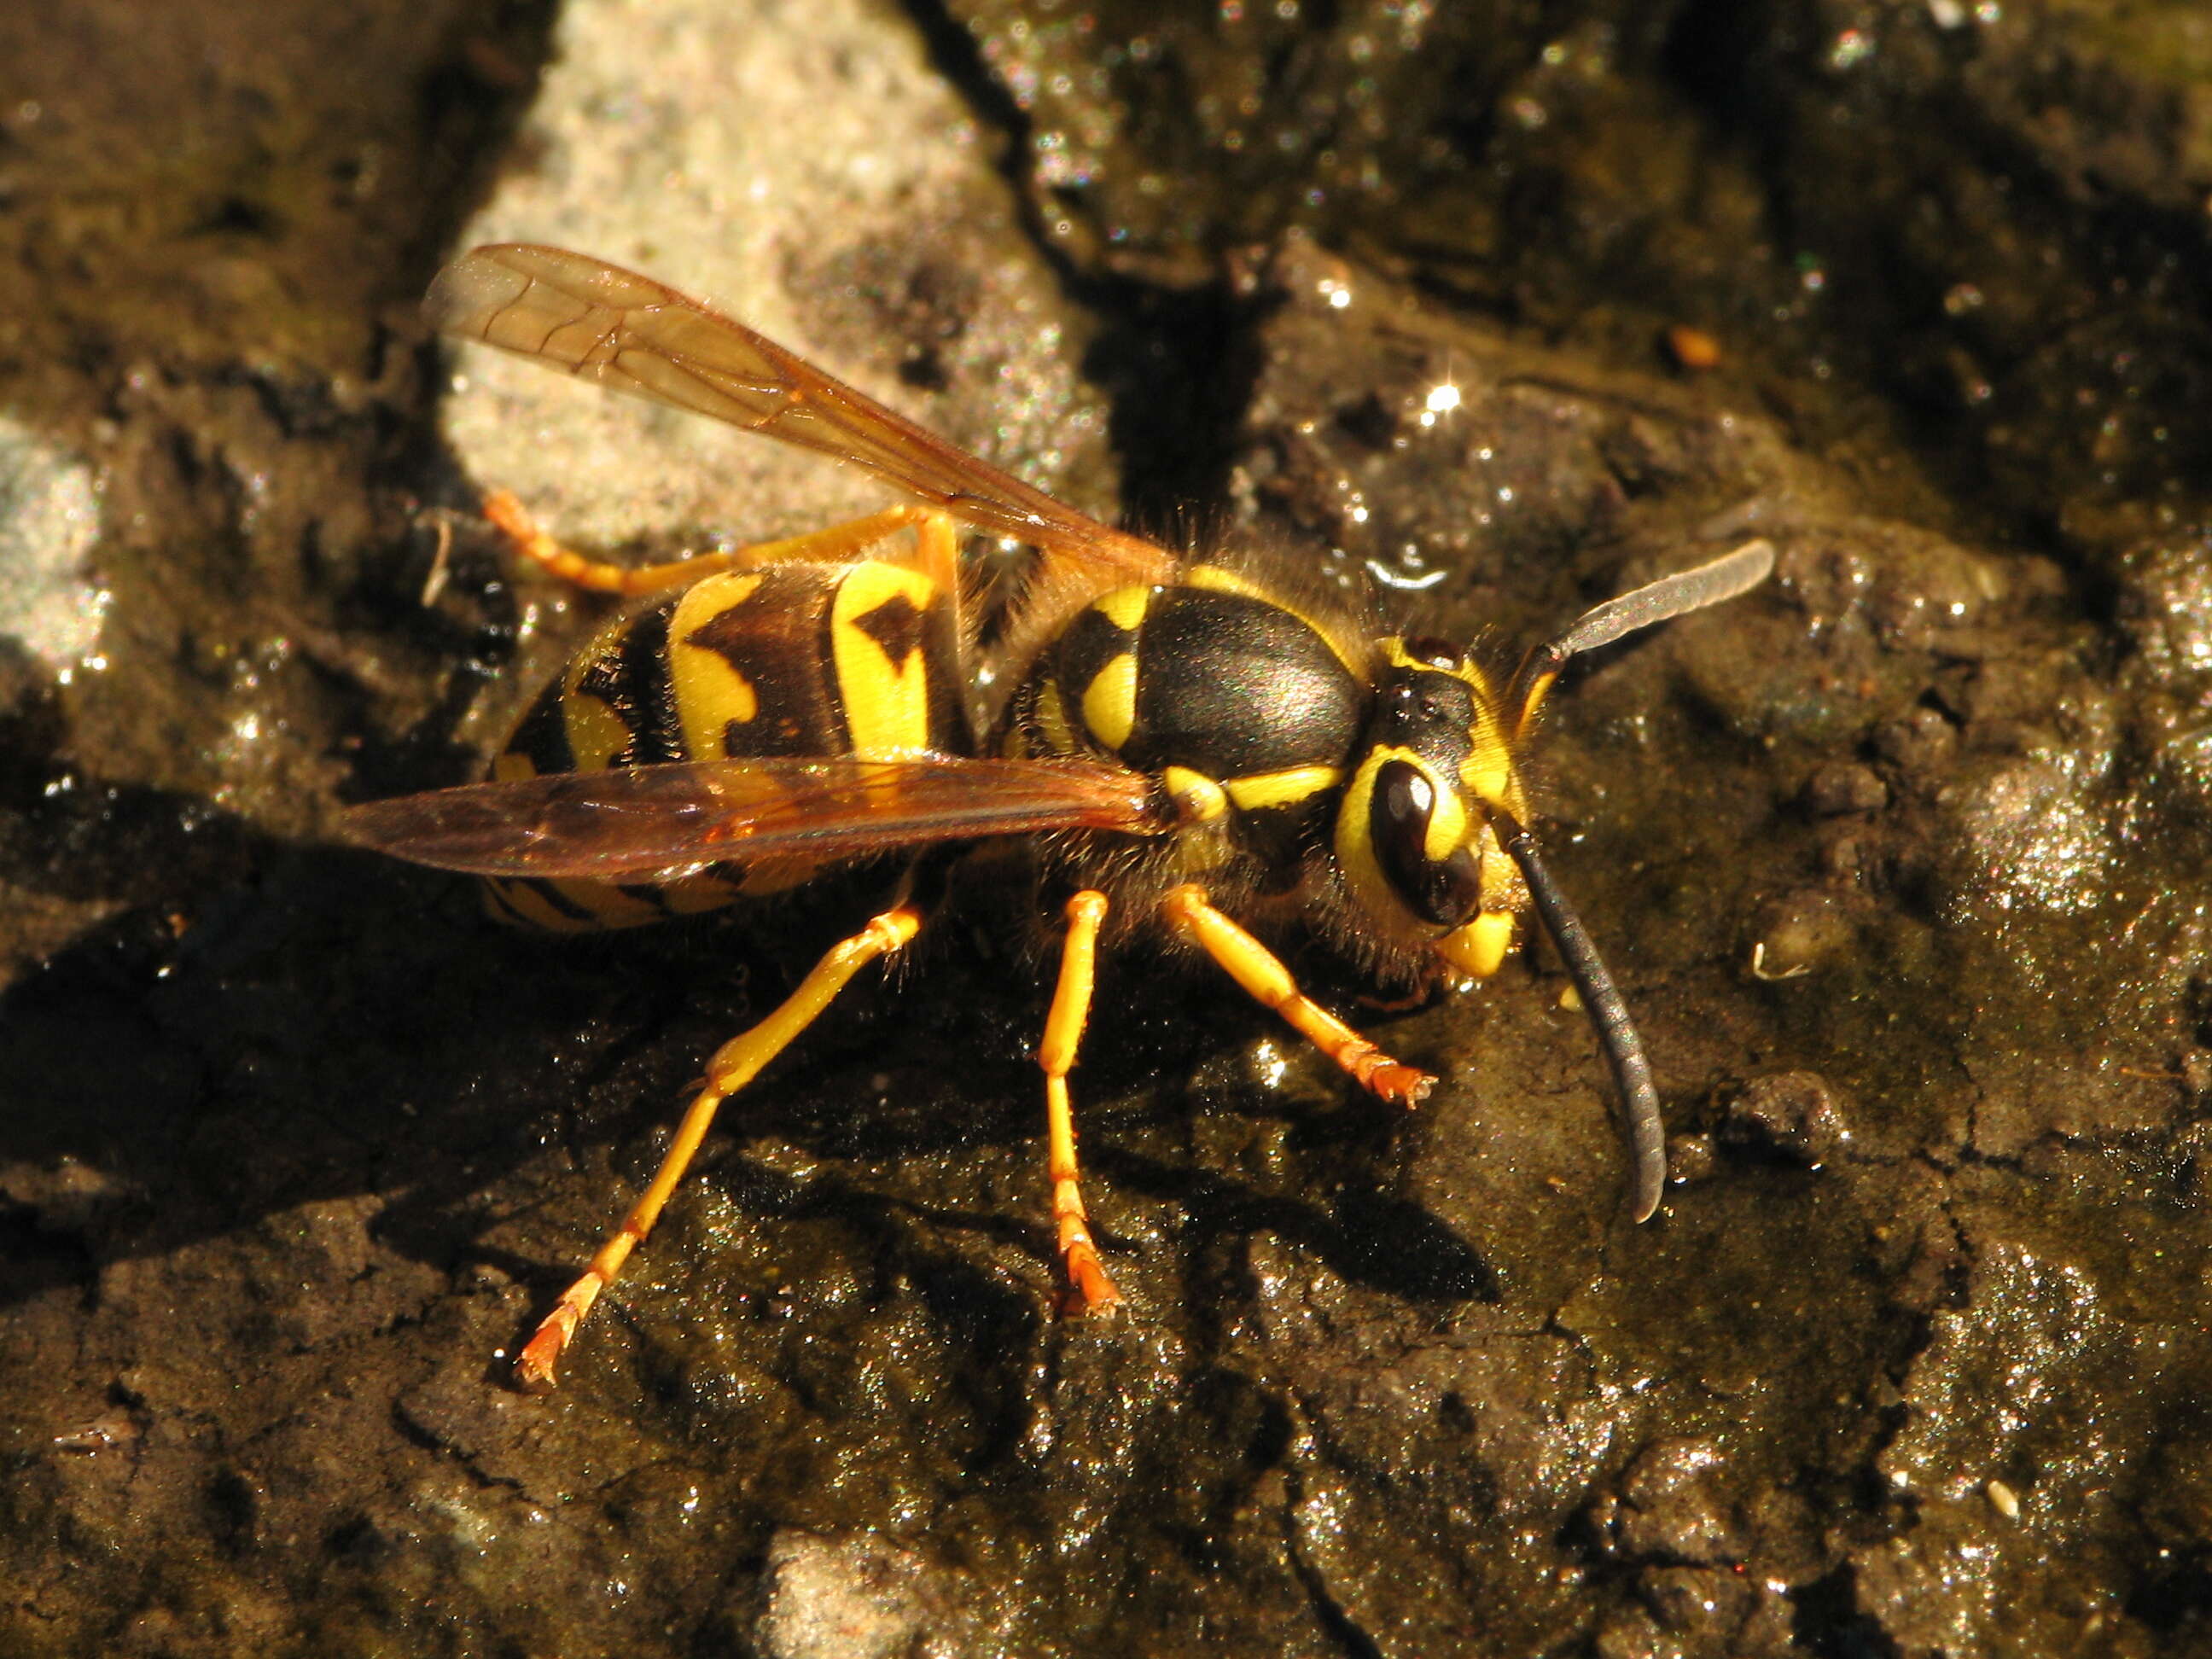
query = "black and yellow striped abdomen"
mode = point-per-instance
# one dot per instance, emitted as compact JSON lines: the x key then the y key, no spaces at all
{"x":795,"y":660}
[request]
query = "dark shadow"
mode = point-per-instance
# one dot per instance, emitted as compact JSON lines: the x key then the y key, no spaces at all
{"x":1178,"y":366}
{"x":1364,"y":1237}
{"x":1831,"y":1624}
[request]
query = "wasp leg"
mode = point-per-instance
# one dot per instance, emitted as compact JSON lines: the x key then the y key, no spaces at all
{"x":937,"y":554}
{"x":734,"y":1064}
{"x":1089,"y":1289}
{"x":1265,"y":979}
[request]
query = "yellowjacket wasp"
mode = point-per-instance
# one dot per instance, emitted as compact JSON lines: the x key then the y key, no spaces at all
{"x":1190,"y":744}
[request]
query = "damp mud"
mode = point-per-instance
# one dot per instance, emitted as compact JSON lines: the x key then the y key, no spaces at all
{"x":1494,"y":310}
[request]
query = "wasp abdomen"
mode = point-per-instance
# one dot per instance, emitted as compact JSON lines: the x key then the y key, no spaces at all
{"x":796,"y":660}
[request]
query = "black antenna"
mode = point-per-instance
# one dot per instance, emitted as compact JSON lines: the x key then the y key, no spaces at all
{"x":1616,"y":1033}
{"x":1655,"y":602}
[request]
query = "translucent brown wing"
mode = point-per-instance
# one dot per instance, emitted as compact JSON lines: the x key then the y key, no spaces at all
{"x":647,"y":823}
{"x":635,"y":335}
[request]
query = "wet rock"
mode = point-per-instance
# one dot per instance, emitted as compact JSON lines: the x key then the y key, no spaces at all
{"x":1844,"y":787}
{"x":1697,"y":1601}
{"x":1802,"y":934}
{"x":50,"y":509}
{"x":858,"y":1598}
{"x":1672,"y":1505}
{"x":1794,"y":1115}
{"x":2029,"y":837}
{"x":2165,"y":604}
{"x":2035,"y":1328}
{"x":1690,"y":1157}
{"x":1920,"y":744}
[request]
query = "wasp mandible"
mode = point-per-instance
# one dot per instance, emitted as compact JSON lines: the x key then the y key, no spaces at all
{"x":1200,"y":745}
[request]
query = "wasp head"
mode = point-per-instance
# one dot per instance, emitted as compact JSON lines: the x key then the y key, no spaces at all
{"x":1413,"y":834}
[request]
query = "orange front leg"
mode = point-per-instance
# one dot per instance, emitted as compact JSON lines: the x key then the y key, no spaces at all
{"x":1265,"y":979}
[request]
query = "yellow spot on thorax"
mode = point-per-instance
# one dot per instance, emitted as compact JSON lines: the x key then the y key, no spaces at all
{"x":1109,"y":701}
{"x":1219,"y":579}
{"x":1198,"y":798}
{"x":1125,"y":607}
{"x":1261,"y":790}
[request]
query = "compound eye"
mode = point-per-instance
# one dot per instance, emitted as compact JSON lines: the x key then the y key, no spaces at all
{"x":1446,"y":892}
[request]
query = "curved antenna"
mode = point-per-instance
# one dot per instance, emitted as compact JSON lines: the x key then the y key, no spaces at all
{"x":1655,"y":602}
{"x":1640,"y":1122}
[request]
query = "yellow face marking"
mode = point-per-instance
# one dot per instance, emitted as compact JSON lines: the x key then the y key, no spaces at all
{"x":710,"y":692}
{"x":1478,"y":948}
{"x":1198,"y":798}
{"x":1395,"y":654}
{"x":1533,"y":700}
{"x":1447,"y":822}
{"x":1488,"y":774}
{"x":1261,"y":790}
{"x":505,"y":768}
{"x":876,"y":632}
{"x":1109,"y":701}
{"x":1502,"y":886}
{"x":1489,"y":777}
{"x":1124,"y":607}
{"x":1355,"y":848}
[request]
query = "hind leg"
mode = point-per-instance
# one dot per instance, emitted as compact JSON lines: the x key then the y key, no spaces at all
{"x":936,"y":549}
{"x":735,"y":1064}
{"x":1089,"y":1289}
